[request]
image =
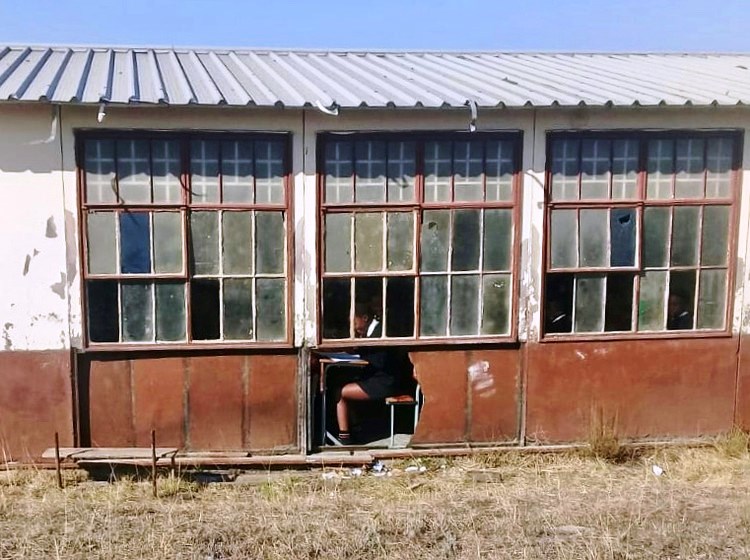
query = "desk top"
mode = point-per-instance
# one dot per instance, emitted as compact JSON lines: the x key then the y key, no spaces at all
{"x":344,"y":362}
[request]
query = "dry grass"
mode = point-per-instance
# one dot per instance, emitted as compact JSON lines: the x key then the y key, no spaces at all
{"x":489,"y":506}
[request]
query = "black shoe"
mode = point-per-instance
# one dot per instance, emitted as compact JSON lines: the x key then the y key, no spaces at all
{"x":345,"y":438}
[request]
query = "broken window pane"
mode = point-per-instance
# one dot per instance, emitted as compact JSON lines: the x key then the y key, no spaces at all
{"x":368,"y":241}
{"x":400,"y":240}
{"x":401,"y":171}
{"x":204,"y":242}
{"x":269,"y":235}
{"x":270,"y":308}
{"x":622,"y":234}
{"x":464,"y":305}
{"x":237,"y":250}
{"x":269,"y":172}
{"x":618,"y":312}
{"x":652,"y":300}
{"x":660,"y":168}
{"x":204,"y":309}
{"x":100,"y":171}
{"x":589,"y":314}
{"x":498,"y":239}
{"x":685,"y":230}
{"x":137,"y":317}
{"x":595,"y":160}
{"x":499,"y":169}
{"x":165,"y":160}
{"x":593,"y":238}
{"x":433,"y":305}
{"x":655,"y":236}
{"x":238,"y":308}
{"x":558,"y":312}
{"x":564,"y":238}
{"x":338,"y":240}
{"x":370,"y":169}
{"x":167,"y":242}
{"x":496,"y":303}
{"x":466,"y":239}
{"x":102,"y":245}
{"x":435,"y":240}
{"x":134,"y":171}
{"x":681,"y":303}
{"x":103,"y":311}
{"x":689,"y":165}
{"x":399,"y":306}
{"x":135,"y":243}
{"x":624,"y":169}
{"x":719,"y":167}
{"x":438,"y":169}
{"x":204,"y":169}
{"x":565,"y":163}
{"x":468,"y":164}
{"x":715,"y":245}
{"x":338,"y":169}
{"x":170,"y":311}
{"x":336,"y":307}
{"x":712,"y":299}
{"x":237,"y":171}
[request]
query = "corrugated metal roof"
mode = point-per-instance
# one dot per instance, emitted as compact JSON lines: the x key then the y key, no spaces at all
{"x":267,"y":78}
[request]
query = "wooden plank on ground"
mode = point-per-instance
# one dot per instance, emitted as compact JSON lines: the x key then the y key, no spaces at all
{"x":81,"y":453}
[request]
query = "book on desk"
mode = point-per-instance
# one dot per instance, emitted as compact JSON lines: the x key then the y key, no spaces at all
{"x":340,"y":356}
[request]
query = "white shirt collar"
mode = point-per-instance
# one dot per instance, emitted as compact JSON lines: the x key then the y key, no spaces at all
{"x":371,"y":327}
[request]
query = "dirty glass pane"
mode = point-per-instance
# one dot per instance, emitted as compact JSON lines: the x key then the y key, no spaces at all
{"x":338,"y":169}
{"x":564,"y":238}
{"x":270,"y":308}
{"x":466,"y":239}
{"x":685,"y":231}
{"x":401,"y":171}
{"x":204,"y":169}
{"x":498,"y":239}
{"x":589,"y":314}
{"x":622,"y":235}
{"x":715,"y":245}
{"x":204,"y":242}
{"x":496,"y":304}
{"x":652,"y":301}
{"x":237,"y":233}
{"x":370,"y":170}
{"x":595,"y":160}
{"x":134,"y":171}
{"x":712,"y":299}
{"x":269,"y":236}
{"x":135,"y":243}
{"x":565,"y":169}
{"x":269,"y":172}
{"x":438,"y":169}
{"x":719,"y":167}
{"x":594,"y":238}
{"x":100,"y":171}
{"x":167,"y":242}
{"x":204,"y":309}
{"x":464,"y":305}
{"x":399,"y":307}
{"x":660,"y":167}
{"x":165,"y":162}
{"x":618,"y":311}
{"x":655,"y":236}
{"x":435,"y":240}
{"x":170,"y":311}
{"x":103,"y":311}
{"x":137,"y":318}
{"x":368,"y":241}
{"x":689,"y":165}
{"x":624,"y":168}
{"x":238,"y":309}
{"x":498,"y":169}
{"x":338,"y":240}
{"x":681,"y":303}
{"x":400,"y":240}
{"x":468,"y":162}
{"x":237,"y":171}
{"x":336,"y":307}
{"x":102,"y":244}
{"x":433,"y":305}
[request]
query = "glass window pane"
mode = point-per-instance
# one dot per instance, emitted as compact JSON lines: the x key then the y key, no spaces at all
{"x":170,"y":311}
{"x":137,"y":314}
{"x":681,"y":302}
{"x":715,"y":244}
{"x":204,"y":242}
{"x":166,"y":168}
{"x":368,"y":293}
{"x":719,"y":167}
{"x":468,"y":163}
{"x":660,"y":168}
{"x":655,"y":236}
{"x":466,"y":239}
{"x":134,"y":171}
{"x":685,"y":231}
{"x":400,"y":241}
{"x":204,"y":309}
{"x":269,"y":172}
{"x":338,"y":169}
{"x":100,"y":171}
{"x":238,"y":308}
{"x":433,"y":305}
{"x":624,"y":168}
{"x":438,"y":169}
{"x":167,"y":242}
{"x":594,"y":238}
{"x":338,"y":240}
{"x":498,"y":239}
{"x":712,"y":299}
{"x":496,"y":292}
{"x":618,"y":312}
{"x":204,"y":169}
{"x":102,"y":244}
{"x":368,"y":241}
{"x":564,"y":238}
{"x":565,"y":169}
{"x":689,"y":168}
{"x":237,"y":171}
{"x":589,"y":315}
{"x":270,"y":310}
{"x":558,"y":311}
{"x":595,"y":160}
{"x":269,"y":235}
{"x":652,"y":300}
{"x":622,"y":234}
{"x":370,"y":169}
{"x":399,"y":307}
{"x":464,"y":305}
{"x":237,"y":240}
{"x":435,"y":240}
{"x":499,"y":170}
{"x":103,"y":311}
{"x":135,"y":243}
{"x":401,"y":171}
{"x":336,"y":307}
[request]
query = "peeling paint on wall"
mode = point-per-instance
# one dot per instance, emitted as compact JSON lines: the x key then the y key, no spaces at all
{"x":8,"y":343}
{"x":59,"y":287}
{"x":481,"y":380}
{"x":51,"y":232}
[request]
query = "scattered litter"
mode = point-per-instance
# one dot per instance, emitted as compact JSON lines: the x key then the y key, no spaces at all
{"x":378,"y":467}
{"x":422,"y":468}
{"x":657,"y":470}
{"x":415,"y":468}
{"x":329,"y":475}
{"x":356,"y":472}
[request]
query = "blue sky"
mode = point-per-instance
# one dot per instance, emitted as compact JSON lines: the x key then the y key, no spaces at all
{"x":559,"y":25}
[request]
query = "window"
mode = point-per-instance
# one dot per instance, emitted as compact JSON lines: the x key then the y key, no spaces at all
{"x":185,"y":238}
{"x":420,"y":229}
{"x":639,"y":231}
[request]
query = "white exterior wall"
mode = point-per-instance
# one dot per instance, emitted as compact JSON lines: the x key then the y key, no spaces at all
{"x":40,"y":303}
